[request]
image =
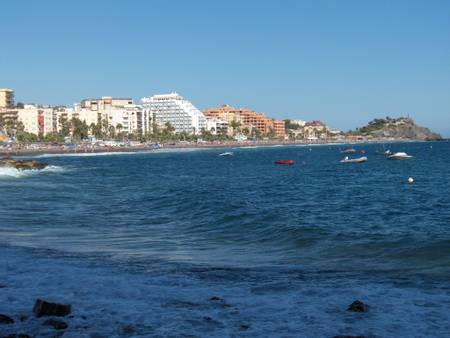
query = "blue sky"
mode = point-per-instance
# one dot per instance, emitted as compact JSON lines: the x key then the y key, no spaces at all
{"x":344,"y":62}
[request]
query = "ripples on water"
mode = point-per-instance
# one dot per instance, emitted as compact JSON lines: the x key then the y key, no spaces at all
{"x":242,"y":211}
{"x":272,"y":239}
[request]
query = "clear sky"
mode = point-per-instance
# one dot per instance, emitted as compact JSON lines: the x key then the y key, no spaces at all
{"x":344,"y":62}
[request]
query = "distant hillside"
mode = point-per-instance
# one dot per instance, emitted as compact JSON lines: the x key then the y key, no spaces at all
{"x":402,"y":128}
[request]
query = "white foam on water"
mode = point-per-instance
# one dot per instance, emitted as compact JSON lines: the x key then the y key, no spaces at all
{"x":116,"y":303}
{"x":89,"y":154}
{"x":117,"y":153}
{"x":8,"y":172}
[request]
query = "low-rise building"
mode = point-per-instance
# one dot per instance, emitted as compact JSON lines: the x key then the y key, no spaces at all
{"x":315,"y":130}
{"x":216,"y":126}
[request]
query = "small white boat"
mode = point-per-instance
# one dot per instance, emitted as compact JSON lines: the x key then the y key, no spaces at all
{"x":228,"y":153}
{"x":399,"y":156}
{"x":354,"y":160}
{"x":348,"y":151}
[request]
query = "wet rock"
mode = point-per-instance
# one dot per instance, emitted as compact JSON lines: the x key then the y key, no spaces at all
{"x":44,"y":308}
{"x":56,"y":324}
{"x":2,"y":286}
{"x":216,"y":299}
{"x":219,"y":301}
{"x":22,"y":164}
{"x":15,"y":335}
{"x":4,"y":319}
{"x":23,"y":318}
{"x":358,"y":306}
{"x":244,"y":327}
{"x":128,"y":330}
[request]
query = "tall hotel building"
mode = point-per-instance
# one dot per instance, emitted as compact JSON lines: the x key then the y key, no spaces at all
{"x":173,"y":108}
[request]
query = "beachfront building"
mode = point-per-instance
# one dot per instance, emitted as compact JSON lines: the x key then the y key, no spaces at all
{"x":300,"y":123}
{"x":174,"y":109}
{"x":36,"y":120}
{"x":226,"y":113}
{"x":248,"y":119}
{"x":129,"y":119}
{"x":120,"y":113}
{"x":105,"y":103}
{"x":315,"y":130}
{"x":6,"y":98}
{"x":216,"y":126}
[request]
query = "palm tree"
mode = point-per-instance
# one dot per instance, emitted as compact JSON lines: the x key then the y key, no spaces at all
{"x":112,"y":132}
{"x":236,"y":126}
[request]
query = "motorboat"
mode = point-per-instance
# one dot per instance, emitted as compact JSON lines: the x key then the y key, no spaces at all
{"x":354,"y":160}
{"x":399,"y":156}
{"x":285,"y":162}
{"x":348,"y":151}
{"x":228,"y":153}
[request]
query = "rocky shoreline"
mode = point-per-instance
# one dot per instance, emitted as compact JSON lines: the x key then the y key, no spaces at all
{"x":53,"y":312}
{"x":22,"y":164}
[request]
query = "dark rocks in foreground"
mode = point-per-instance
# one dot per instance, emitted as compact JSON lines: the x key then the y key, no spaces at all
{"x":15,"y":335}
{"x":4,"y":319}
{"x":43,"y":308}
{"x":56,"y":324}
{"x":22,"y":164}
{"x":358,"y":306}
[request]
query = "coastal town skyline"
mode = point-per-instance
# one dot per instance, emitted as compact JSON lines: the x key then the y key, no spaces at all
{"x":170,"y":116}
{"x":309,"y":65}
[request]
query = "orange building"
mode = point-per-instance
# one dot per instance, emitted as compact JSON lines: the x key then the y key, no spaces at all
{"x":248,"y":118}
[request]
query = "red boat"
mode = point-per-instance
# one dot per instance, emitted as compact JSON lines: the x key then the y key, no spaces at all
{"x":287,"y":162}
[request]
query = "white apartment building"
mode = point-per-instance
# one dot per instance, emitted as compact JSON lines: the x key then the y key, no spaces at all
{"x":173,"y":108}
{"x":130,"y":119}
{"x":301,"y":123}
{"x":216,"y":126}
{"x":36,"y":120}
{"x":120,"y":113}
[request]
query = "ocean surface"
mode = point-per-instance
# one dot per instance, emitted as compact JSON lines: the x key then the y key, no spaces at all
{"x":187,"y":243}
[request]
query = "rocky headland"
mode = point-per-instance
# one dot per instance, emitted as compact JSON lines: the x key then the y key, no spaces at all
{"x":397,"y":128}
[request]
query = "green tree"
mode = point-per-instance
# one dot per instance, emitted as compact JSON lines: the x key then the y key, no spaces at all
{"x":271,"y":134}
{"x":65,"y":126}
{"x":236,"y":125}
{"x":112,"y":132}
{"x":80,"y":130}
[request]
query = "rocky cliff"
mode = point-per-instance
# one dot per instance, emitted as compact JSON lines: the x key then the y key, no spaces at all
{"x":400,"y":128}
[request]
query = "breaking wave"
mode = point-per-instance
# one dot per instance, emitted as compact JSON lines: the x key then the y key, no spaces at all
{"x":8,"y":172}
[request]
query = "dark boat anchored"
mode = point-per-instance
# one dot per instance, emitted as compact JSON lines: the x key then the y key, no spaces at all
{"x":286,"y":162}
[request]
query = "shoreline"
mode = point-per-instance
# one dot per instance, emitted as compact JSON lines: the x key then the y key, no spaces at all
{"x":88,"y":149}
{"x":207,"y":304}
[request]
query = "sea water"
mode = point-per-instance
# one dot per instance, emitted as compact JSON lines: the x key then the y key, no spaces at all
{"x":188,"y":243}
